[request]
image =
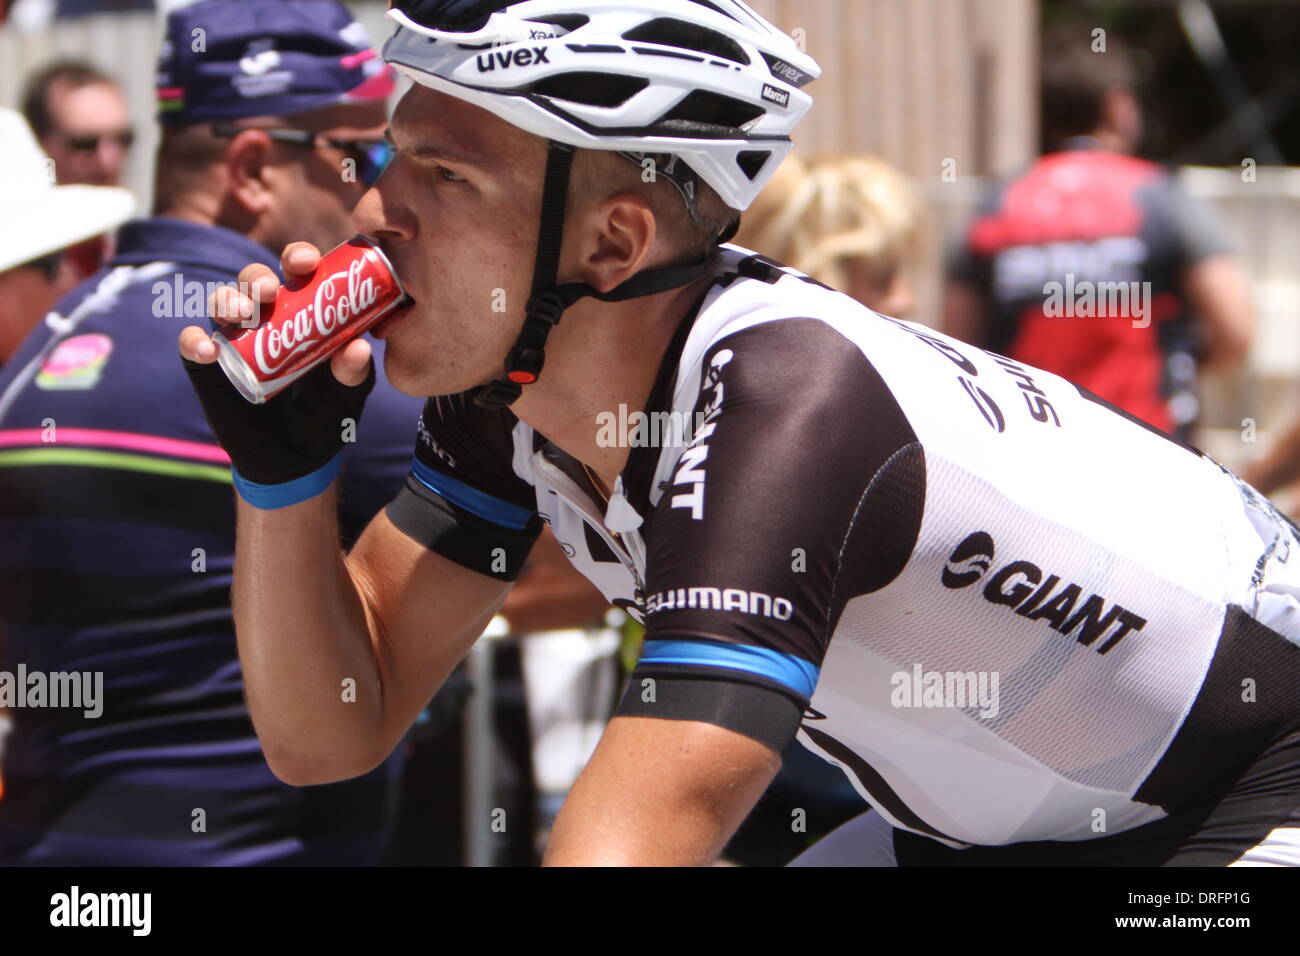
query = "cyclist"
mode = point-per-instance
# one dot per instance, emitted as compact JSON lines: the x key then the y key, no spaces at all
{"x":1020,"y":621}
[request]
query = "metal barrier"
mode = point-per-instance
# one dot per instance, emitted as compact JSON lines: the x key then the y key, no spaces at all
{"x":479,"y":743}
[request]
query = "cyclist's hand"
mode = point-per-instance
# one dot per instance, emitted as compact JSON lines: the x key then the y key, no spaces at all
{"x":301,"y":429}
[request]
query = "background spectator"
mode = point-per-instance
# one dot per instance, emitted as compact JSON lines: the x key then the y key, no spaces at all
{"x":848,"y":221}
{"x":80,"y":118}
{"x":39,"y":221}
{"x":1094,"y":264}
{"x":117,"y":503}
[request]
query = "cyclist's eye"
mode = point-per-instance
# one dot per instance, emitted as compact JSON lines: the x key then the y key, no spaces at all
{"x":450,"y":175}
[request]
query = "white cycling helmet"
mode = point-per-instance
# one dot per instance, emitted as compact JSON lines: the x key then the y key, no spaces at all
{"x":708,"y":83}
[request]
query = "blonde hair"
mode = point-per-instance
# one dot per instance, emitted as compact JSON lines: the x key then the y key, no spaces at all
{"x":819,"y":214}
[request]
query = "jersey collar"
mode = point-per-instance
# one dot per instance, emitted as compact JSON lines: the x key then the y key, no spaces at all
{"x":162,"y":238}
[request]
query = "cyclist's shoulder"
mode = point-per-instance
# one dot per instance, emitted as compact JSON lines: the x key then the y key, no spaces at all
{"x":771,"y":310}
{"x":774,"y":348}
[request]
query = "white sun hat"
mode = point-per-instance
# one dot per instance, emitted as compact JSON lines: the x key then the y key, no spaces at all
{"x":36,"y":216}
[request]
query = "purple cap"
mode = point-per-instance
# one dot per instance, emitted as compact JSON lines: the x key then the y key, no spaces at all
{"x":229,"y":59}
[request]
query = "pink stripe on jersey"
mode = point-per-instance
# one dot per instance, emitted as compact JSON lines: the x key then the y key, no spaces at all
{"x":100,"y":438}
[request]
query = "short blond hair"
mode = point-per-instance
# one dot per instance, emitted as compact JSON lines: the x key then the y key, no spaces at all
{"x":820,"y":213}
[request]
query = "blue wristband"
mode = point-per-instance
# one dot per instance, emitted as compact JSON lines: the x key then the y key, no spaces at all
{"x":271,"y":497}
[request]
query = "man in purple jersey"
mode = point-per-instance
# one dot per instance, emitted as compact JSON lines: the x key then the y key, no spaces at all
{"x":115,"y":501}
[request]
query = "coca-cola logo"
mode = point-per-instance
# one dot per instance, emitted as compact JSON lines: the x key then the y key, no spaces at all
{"x":339,"y":298}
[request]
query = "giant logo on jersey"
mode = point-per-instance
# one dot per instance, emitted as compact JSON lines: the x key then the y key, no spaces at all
{"x":1022,"y":587}
{"x":690,"y":466}
{"x":970,"y":560}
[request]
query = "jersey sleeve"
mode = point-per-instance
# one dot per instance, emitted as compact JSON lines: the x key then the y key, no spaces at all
{"x":1182,"y":229}
{"x":801,"y":488}
{"x":463,"y":498}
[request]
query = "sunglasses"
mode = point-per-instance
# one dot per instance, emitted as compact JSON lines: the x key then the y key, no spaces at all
{"x":48,"y":266}
{"x":371,"y":155}
{"x":90,"y":144}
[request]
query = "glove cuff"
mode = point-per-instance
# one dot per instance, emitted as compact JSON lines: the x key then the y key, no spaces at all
{"x":273,"y":497}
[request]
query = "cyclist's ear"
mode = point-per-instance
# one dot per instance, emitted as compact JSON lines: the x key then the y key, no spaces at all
{"x":615,"y":240}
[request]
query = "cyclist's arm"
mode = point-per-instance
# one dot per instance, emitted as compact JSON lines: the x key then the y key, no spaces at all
{"x":804,"y":489}
{"x":339,"y":655}
{"x":660,"y":793}
{"x":1219,"y":297}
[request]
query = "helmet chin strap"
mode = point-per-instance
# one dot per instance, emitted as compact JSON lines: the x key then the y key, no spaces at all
{"x":547,"y":300}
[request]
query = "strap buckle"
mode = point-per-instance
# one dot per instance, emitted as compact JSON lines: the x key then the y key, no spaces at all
{"x":547,"y":306}
{"x":524,"y":364}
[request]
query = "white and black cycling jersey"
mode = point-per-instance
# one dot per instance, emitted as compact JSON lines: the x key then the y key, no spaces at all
{"x":1007,"y":610}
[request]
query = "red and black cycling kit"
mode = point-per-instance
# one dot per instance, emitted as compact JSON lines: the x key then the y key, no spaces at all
{"x":1080,"y":259}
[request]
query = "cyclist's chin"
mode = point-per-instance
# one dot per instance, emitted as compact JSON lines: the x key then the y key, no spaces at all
{"x":403,"y":373}
{"x":417,"y":368}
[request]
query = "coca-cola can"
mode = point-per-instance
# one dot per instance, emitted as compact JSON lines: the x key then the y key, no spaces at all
{"x":354,"y":288}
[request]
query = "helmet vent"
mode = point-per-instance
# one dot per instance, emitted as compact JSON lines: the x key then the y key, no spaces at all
{"x":752,"y":161}
{"x":565,"y":21}
{"x":591,"y":89}
{"x":714,"y":109}
{"x":666,"y":31}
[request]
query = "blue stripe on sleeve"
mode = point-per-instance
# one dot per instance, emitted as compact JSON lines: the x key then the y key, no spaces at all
{"x":271,"y":497}
{"x":471,"y":499}
{"x":786,"y":669}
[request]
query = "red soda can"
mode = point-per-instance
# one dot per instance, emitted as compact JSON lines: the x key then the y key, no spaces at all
{"x":354,"y":288}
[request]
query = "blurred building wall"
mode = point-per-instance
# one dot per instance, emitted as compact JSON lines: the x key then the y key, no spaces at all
{"x":920,"y":82}
{"x":945,"y":90}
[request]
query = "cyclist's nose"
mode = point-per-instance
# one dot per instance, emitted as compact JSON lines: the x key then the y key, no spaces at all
{"x":378,"y":214}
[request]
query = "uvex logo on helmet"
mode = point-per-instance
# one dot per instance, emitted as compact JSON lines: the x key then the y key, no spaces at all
{"x":1023,"y":587}
{"x":486,"y":62}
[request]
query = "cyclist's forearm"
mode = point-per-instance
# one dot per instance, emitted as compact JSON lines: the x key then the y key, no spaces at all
{"x":304,"y":644}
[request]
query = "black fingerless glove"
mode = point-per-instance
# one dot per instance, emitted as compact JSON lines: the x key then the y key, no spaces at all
{"x":290,"y":448}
